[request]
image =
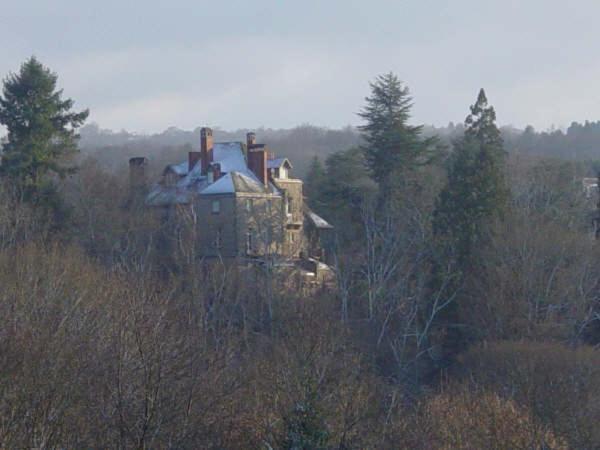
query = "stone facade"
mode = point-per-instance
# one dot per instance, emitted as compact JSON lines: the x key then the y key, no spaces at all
{"x":243,"y":201}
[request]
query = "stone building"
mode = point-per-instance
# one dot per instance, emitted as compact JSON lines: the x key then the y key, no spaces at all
{"x":245,"y":203}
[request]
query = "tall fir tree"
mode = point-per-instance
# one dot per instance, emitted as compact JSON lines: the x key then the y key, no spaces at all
{"x":476,"y":192}
{"x":392,"y":146}
{"x":474,"y":197}
{"x":41,"y":130}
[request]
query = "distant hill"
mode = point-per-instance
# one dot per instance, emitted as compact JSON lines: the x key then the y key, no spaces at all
{"x":113,"y":149}
{"x":300,"y":144}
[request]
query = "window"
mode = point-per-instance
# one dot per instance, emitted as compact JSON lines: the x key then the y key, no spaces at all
{"x":248,"y":205}
{"x":216,"y":206}
{"x":211,"y":177}
{"x":283,"y":173}
{"x":249,"y":240}
{"x":288,"y":206}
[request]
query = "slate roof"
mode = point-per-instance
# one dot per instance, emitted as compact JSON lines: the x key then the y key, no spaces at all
{"x":223,"y":185}
{"x":237,"y":177}
{"x":317,"y":220}
{"x":230,"y":155}
{"x":278,"y":162}
{"x":238,"y":182}
{"x":179,"y":169}
{"x":163,"y":196}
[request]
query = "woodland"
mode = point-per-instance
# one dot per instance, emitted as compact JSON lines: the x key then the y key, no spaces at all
{"x":465,"y":314}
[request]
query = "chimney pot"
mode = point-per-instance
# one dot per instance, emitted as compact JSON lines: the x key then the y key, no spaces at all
{"x":250,"y":139}
{"x":137,"y":172}
{"x":206,"y":148}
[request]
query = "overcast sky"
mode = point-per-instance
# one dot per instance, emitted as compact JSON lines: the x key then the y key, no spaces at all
{"x":147,"y":65}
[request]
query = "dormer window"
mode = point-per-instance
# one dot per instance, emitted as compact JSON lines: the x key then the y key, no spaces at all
{"x":280,"y":168}
{"x":211,"y":177}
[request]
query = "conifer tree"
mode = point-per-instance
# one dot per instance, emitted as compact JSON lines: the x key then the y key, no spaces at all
{"x":474,"y":196}
{"x":476,"y":192}
{"x":41,"y":130}
{"x":315,"y":179}
{"x":392,"y":145}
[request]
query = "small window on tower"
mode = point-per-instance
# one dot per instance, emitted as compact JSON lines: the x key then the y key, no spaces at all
{"x":288,"y":206}
{"x":248,"y":205}
{"x":216,"y":206}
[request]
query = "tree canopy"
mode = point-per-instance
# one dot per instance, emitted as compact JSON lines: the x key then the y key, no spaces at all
{"x":476,"y":190}
{"x":391,"y":144}
{"x":41,"y":127}
{"x":314,"y":180}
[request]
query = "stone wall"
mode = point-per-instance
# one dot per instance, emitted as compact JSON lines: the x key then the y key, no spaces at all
{"x":259,"y":223}
{"x":217,"y":233}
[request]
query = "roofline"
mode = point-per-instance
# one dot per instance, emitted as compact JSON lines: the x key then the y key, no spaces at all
{"x":171,"y":167}
{"x":210,"y":194}
{"x":229,"y":142}
{"x":288,"y":180}
{"x":239,"y":194}
{"x":255,"y":194}
{"x":283,"y":161}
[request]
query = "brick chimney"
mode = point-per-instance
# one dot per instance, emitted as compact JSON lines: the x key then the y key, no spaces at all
{"x":250,"y":140}
{"x":206,"y":148}
{"x":193,"y":158}
{"x":137,"y":172}
{"x":257,"y":163}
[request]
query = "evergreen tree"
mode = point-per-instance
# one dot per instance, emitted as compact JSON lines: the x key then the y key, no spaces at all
{"x":345,"y":189}
{"x":474,"y":196}
{"x":392,"y":145}
{"x":41,"y":131}
{"x":315,"y":179}
{"x":476,"y":192}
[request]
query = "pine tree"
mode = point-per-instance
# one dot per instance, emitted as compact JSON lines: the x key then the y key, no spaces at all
{"x":476,"y":192}
{"x":392,"y":145}
{"x":41,"y":130}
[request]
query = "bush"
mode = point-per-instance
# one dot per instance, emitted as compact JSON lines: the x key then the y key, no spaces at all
{"x":465,"y":419}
